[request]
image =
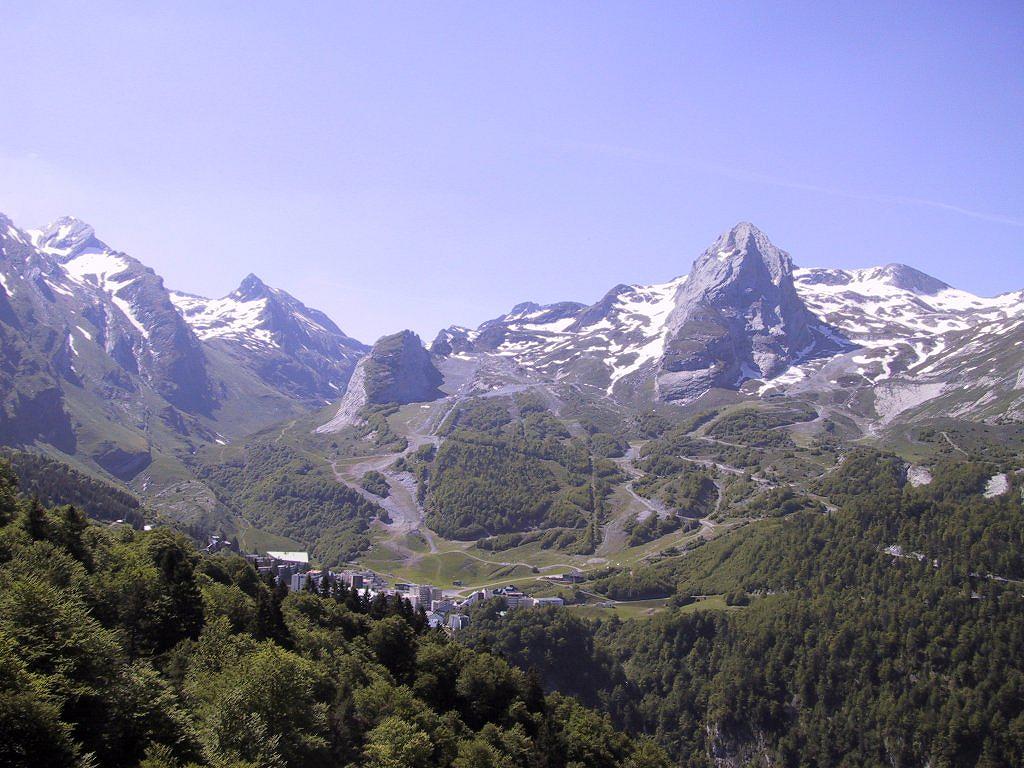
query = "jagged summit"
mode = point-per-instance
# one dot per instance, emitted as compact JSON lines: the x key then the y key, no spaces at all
{"x":66,"y":237}
{"x":737,"y":316}
{"x":744,"y":248}
{"x":251,"y":289}
{"x":296,"y":349}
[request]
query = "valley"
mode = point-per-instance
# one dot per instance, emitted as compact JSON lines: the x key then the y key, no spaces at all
{"x":751,"y":467}
{"x":566,"y":438}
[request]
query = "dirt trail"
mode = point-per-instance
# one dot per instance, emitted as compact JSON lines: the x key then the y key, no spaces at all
{"x":284,"y":429}
{"x":952,"y":445}
{"x":614,"y":538}
{"x":405,"y":513}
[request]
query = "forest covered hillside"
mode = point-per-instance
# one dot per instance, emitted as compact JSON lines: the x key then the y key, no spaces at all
{"x":889,"y":630}
{"x":121,"y":648}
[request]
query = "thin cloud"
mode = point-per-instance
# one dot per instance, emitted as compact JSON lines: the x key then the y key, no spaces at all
{"x":879,"y":198}
{"x":644,"y":156}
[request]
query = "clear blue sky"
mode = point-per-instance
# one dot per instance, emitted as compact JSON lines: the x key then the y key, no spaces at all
{"x":415,"y":165}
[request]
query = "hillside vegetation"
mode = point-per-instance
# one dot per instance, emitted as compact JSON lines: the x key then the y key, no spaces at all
{"x":279,"y":490}
{"x":850,"y":652}
{"x":121,"y":648}
{"x":495,"y":474}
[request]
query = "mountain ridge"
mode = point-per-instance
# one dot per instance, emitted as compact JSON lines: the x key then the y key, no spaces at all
{"x":102,"y":363}
{"x":88,"y":327}
{"x":750,"y":315}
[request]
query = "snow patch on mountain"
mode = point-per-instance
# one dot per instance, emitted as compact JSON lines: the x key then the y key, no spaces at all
{"x":644,"y":311}
{"x":110,"y":273}
{"x":224,"y":318}
{"x":64,"y":238}
{"x":866,"y":302}
{"x":103,"y":269}
{"x":903,"y":319}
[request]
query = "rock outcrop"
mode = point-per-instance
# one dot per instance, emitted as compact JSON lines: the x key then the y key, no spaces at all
{"x":738,"y":316}
{"x":397,"y":370}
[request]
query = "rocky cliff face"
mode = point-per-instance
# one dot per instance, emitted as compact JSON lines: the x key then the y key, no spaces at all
{"x":738,"y":316}
{"x":399,"y":370}
{"x":144,"y":332}
{"x":33,"y":355}
{"x":31,"y":400}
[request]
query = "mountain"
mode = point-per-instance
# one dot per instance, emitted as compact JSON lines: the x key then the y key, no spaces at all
{"x":737,"y":316}
{"x":919,"y":345}
{"x":398,"y":370}
{"x":295,"y":349}
{"x":595,"y":345}
{"x":33,"y":357}
{"x":102,"y":362}
{"x":130,"y":310}
{"x":745,"y":320}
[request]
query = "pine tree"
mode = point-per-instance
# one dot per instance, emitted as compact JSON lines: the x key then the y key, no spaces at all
{"x":35,"y":521}
{"x":73,"y":526}
{"x":8,"y":493}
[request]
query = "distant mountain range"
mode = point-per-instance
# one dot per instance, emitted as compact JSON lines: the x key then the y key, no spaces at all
{"x":744,"y":319}
{"x":102,"y":362}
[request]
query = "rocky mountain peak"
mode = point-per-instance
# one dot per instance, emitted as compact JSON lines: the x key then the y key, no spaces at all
{"x":66,"y":238}
{"x":742,"y":253}
{"x":521,"y":309}
{"x":251,"y":289}
{"x":737,"y":316}
{"x":399,"y":370}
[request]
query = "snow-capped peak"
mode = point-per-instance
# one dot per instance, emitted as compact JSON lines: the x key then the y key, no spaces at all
{"x":256,"y":316}
{"x":876,"y":279}
{"x":908,"y":278}
{"x":66,"y":237}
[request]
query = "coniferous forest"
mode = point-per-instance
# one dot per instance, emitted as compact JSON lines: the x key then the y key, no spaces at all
{"x":120,"y":648}
{"x":124,"y":648}
{"x":846,"y":651}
